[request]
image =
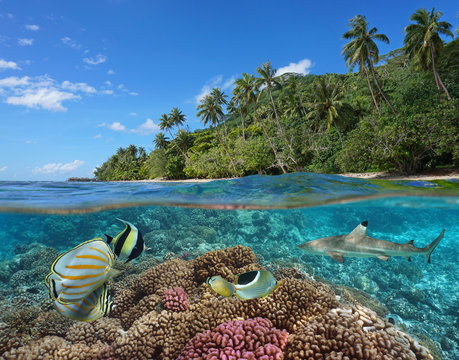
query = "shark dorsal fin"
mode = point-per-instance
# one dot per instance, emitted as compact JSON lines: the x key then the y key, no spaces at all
{"x":411,"y":242}
{"x":360,"y":230}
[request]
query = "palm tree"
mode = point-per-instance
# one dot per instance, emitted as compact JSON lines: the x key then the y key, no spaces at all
{"x":363,"y":51}
{"x":268,"y":80}
{"x":293,"y":87}
{"x":161,"y":140}
{"x":423,"y":43}
{"x":176,"y":117}
{"x":326,"y":104}
{"x":210,"y":112}
{"x":246,"y":89}
{"x":220,"y":98}
{"x":167,"y":122}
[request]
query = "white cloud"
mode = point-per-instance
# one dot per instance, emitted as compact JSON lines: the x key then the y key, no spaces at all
{"x":116,"y":126}
{"x":28,"y":141}
{"x":133,"y":93}
{"x":147,"y":128}
{"x":229,"y":84}
{"x":43,"y":92}
{"x":301,"y":67}
{"x":132,"y":114}
{"x":55,"y":168}
{"x":3,"y":168}
{"x":111,"y":72}
{"x":98,"y":136}
{"x":32,"y":27}
{"x":46,"y":98}
{"x":13,"y":81}
{"x":78,"y":87}
{"x":107,"y":92}
{"x":98,"y":59}
{"x":4,"y":65}
{"x":108,"y":82}
{"x":25,"y":42}
{"x":71,"y":43}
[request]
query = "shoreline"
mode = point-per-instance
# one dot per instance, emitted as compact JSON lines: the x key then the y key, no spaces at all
{"x":447,"y":174}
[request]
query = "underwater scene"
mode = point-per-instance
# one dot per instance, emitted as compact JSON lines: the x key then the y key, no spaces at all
{"x":228,"y":269}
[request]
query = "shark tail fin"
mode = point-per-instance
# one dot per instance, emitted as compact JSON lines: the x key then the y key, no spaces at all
{"x":431,"y":247}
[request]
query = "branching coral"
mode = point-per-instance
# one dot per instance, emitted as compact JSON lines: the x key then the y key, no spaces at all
{"x":254,"y":339}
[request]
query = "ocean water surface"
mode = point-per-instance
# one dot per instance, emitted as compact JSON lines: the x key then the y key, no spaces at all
{"x":271,"y":215}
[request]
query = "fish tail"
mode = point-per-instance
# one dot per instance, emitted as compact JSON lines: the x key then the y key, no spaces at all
{"x":109,"y":238}
{"x":431,"y":247}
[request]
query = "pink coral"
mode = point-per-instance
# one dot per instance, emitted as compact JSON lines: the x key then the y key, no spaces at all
{"x":252,"y":339}
{"x":175,"y":299}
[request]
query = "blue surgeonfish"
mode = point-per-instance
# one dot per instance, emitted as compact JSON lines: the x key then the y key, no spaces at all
{"x":128,"y":244}
{"x":248,"y":285}
{"x":220,"y":286}
{"x":79,"y":271}
{"x":255,"y":284}
{"x":93,"y":307}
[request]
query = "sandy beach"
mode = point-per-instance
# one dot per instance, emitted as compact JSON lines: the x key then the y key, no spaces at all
{"x":441,"y":174}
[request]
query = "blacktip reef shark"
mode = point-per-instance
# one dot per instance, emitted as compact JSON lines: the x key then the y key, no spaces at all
{"x":359,"y":244}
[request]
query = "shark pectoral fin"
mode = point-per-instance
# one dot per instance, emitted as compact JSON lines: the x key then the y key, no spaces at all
{"x":337,"y":256}
{"x":384,"y":258}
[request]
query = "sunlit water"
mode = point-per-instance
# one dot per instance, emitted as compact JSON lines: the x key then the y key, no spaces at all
{"x":272,"y":215}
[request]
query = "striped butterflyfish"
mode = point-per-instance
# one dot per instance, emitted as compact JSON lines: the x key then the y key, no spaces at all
{"x":220,"y":286}
{"x":255,"y":284}
{"x":79,"y":271}
{"x":96,"y":305}
{"x":128,"y":244}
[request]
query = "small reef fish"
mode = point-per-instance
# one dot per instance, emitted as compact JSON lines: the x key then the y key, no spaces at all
{"x":78,"y":272}
{"x":220,"y":286}
{"x":248,"y":285}
{"x":128,"y":244}
{"x":93,"y":307}
{"x":359,"y":244}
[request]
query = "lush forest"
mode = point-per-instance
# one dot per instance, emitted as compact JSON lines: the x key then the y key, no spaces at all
{"x":395,"y":112}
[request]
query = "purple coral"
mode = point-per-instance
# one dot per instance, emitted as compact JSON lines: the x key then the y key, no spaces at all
{"x":252,"y":339}
{"x":175,"y":299}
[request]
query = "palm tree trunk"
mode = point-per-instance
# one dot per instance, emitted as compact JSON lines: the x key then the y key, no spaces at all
{"x":180,"y":149}
{"x":243,"y":123}
{"x":377,"y":83}
{"x":270,"y":143}
{"x":280,"y":126}
{"x":339,"y":134}
{"x":436,"y":75}
{"x":226,"y":150}
{"x":371,"y":90}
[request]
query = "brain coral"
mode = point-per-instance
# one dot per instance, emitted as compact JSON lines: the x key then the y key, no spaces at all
{"x":138,"y":328}
{"x":175,"y":299}
{"x":252,"y":339}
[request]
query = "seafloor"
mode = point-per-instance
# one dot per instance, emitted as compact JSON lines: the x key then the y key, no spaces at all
{"x":362,"y":309}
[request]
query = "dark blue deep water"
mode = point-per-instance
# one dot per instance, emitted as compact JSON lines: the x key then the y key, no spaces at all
{"x":272,"y":215}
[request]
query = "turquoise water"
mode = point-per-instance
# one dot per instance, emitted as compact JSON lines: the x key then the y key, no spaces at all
{"x":272,"y":215}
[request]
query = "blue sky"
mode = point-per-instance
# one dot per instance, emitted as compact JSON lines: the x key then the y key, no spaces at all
{"x":78,"y":79}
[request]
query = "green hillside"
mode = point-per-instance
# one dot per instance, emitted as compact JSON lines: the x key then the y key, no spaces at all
{"x":395,"y":120}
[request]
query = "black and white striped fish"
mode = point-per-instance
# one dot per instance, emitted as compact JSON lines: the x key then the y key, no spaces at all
{"x":128,"y":244}
{"x":78,"y":272}
{"x":93,"y":307}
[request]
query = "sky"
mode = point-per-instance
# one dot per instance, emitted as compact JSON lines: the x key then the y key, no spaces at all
{"x":79,"y":79}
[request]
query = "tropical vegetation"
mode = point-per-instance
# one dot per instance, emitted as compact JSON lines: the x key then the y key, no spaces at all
{"x":398,"y":112}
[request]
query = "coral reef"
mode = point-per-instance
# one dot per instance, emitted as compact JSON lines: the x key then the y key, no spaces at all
{"x":139,"y":327}
{"x":254,"y":339}
{"x":175,"y":299}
